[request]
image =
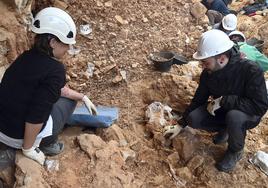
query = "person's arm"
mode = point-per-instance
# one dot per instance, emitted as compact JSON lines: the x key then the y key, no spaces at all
{"x":200,"y":98}
{"x":74,"y":95}
{"x":30,"y":133}
{"x":254,"y":101}
{"x":71,"y":94}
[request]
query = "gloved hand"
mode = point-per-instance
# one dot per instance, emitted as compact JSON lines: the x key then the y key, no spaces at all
{"x":90,"y":106}
{"x":171,"y":131}
{"x":35,"y":154}
{"x":214,"y":105}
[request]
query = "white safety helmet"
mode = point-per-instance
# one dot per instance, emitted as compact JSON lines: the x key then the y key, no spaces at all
{"x":212,"y":43}
{"x":238,"y":33}
{"x":57,"y":22}
{"x":229,"y":22}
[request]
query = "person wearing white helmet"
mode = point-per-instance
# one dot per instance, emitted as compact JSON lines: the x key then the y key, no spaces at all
{"x":216,"y":10}
{"x":248,"y":51}
{"x":34,"y":101}
{"x":231,"y":96}
{"x":228,"y":24}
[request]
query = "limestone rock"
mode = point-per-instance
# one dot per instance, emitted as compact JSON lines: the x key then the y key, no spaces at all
{"x":13,"y":29}
{"x":108,"y":4}
{"x":121,"y":20}
{"x":184,"y":173}
{"x":60,"y":4}
{"x":198,"y":10}
{"x":173,"y":159}
{"x":90,"y":143}
{"x":195,"y":162}
{"x":109,"y":164}
{"x":128,"y":154}
{"x":111,"y":152}
{"x":113,"y":133}
{"x":117,"y":79}
{"x":185,"y":144}
{"x":263,"y":32}
{"x":173,"y":90}
{"x":29,"y":173}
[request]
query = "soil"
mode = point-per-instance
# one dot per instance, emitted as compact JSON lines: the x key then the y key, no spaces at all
{"x":124,"y":33}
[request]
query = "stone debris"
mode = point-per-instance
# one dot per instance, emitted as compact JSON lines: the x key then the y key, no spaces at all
{"x":163,"y":90}
{"x":109,"y":162}
{"x":195,"y":162}
{"x":29,"y":173}
{"x":107,"y":68}
{"x":185,"y":144}
{"x":198,"y":10}
{"x":121,"y":20}
{"x":128,"y":154}
{"x":85,"y":29}
{"x":60,"y":4}
{"x":52,"y":165}
{"x":260,"y":159}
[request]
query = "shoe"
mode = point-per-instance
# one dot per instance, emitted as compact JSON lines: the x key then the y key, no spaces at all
{"x":221,"y":137}
{"x":229,"y":160}
{"x":52,"y":149}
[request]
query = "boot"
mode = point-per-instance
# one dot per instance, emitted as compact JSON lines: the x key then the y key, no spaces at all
{"x":52,"y":149}
{"x":221,"y":137}
{"x":229,"y":160}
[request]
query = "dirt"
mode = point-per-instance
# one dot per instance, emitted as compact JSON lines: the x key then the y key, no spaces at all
{"x":124,"y":34}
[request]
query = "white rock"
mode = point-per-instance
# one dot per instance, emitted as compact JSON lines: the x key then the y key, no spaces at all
{"x":260,"y":159}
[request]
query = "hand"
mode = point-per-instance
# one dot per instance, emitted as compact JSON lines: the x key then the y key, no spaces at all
{"x":35,"y":154}
{"x":90,"y":106}
{"x":171,"y":131}
{"x":214,"y":105}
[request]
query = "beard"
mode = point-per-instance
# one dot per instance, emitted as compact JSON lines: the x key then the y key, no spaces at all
{"x":217,"y":66}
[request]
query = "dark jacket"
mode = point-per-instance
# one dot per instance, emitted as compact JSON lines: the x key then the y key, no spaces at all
{"x":29,"y":88}
{"x":241,"y":84}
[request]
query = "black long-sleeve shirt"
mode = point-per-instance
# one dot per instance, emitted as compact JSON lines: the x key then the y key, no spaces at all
{"x":241,"y":84}
{"x":29,"y":88}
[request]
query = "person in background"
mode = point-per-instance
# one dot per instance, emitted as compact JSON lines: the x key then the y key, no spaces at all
{"x":217,"y":9}
{"x":228,"y":24}
{"x":248,"y":51}
{"x":35,"y":103}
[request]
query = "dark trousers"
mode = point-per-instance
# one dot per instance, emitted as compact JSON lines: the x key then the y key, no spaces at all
{"x":235,"y":122}
{"x":61,"y":112}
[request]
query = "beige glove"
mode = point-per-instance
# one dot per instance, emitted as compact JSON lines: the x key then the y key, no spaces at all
{"x":90,"y":106}
{"x":171,"y":131}
{"x":214,"y":105}
{"x":35,"y":154}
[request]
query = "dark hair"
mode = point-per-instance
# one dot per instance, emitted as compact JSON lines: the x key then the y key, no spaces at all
{"x":41,"y":43}
{"x":239,"y":39}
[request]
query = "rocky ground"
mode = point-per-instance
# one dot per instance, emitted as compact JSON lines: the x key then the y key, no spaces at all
{"x":133,"y":152}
